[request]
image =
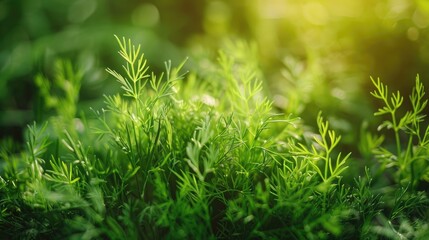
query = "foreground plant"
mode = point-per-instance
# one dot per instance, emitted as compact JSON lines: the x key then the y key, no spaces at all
{"x":179,"y":156}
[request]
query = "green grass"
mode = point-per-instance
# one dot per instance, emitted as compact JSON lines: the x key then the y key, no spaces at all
{"x":204,"y":155}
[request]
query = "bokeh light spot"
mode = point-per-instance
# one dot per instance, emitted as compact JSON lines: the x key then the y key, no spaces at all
{"x":146,"y":15}
{"x":421,"y":20}
{"x":413,"y":34}
{"x":273,"y":9}
{"x":315,"y":13}
{"x":81,"y":10}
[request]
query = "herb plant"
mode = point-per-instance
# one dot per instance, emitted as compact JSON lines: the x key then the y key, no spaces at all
{"x":181,"y":155}
{"x":411,"y":161}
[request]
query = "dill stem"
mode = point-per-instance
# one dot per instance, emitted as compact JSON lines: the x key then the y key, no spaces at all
{"x":328,"y":152}
{"x":410,"y":154}
{"x":396,"y":130}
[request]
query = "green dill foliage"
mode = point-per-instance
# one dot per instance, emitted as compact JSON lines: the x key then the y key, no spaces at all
{"x":61,"y":94}
{"x":202,"y":155}
{"x":409,"y":159}
{"x":325,"y":142}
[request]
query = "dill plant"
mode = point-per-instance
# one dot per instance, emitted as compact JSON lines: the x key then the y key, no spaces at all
{"x":406,"y":161}
{"x":182,"y":155}
{"x":409,"y":159}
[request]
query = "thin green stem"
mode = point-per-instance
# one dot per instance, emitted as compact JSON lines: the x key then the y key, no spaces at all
{"x":397,"y":139}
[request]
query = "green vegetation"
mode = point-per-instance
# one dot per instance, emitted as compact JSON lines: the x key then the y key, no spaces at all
{"x":204,"y":154}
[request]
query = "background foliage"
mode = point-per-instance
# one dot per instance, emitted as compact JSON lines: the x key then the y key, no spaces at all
{"x":310,"y":48}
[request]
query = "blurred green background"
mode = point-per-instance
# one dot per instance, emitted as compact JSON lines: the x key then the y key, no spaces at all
{"x":315,"y":55}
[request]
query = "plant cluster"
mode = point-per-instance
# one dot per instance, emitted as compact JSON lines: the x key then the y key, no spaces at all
{"x":177,"y":156}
